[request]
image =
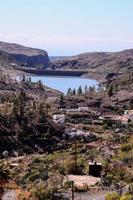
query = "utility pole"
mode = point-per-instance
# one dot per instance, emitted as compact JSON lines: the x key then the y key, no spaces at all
{"x":75,"y":156}
{"x":72,"y":190}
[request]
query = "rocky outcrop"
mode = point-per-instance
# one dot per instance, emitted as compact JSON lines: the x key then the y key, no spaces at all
{"x":26,"y":56}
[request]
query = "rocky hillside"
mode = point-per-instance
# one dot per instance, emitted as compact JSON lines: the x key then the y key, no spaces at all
{"x":33,"y":100}
{"x":5,"y":59}
{"x":22,"y":55}
{"x":101,"y":62}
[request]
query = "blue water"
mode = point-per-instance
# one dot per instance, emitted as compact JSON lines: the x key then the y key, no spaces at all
{"x":62,"y":83}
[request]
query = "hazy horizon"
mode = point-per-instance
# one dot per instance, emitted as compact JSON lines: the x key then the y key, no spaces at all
{"x":66,"y":28}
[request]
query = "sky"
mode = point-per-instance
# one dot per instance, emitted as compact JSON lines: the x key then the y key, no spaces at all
{"x":68,"y":27}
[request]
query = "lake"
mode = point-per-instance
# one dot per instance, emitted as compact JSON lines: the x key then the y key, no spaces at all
{"x":62,"y":83}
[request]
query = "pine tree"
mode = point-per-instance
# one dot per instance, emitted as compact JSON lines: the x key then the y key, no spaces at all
{"x":79,"y":90}
{"x":100,"y":87}
{"x":74,"y":92}
{"x":61,"y":101}
{"x":110,"y":91}
{"x":90,"y":89}
{"x":86,"y":89}
{"x":69,"y":92}
{"x":40,"y":85}
{"x":23,"y":78}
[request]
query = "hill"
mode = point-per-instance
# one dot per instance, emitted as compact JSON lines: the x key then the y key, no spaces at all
{"x":29,"y":57}
{"x":5,"y":58}
{"x":98,"y":62}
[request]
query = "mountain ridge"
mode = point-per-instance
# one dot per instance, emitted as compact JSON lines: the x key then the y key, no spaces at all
{"x":98,"y":62}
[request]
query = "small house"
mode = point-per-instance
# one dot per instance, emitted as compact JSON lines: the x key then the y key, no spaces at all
{"x":59,"y":118}
{"x":72,"y":110}
{"x":83,"y":109}
{"x":95,"y":169}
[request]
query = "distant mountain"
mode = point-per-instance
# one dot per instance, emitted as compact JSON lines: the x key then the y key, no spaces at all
{"x":54,"y":58}
{"x":98,"y":62}
{"x":22,"y":55}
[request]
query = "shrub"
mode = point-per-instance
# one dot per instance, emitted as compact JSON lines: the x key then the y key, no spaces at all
{"x":41,"y":192}
{"x":105,"y":126}
{"x":127,"y":197}
{"x":71,"y":168}
{"x":68,"y":184}
{"x":23,"y":196}
{"x":82,"y":188}
{"x":126,"y":147}
{"x":112,"y":196}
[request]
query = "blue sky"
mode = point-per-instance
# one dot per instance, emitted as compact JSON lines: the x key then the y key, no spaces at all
{"x":68,"y":27}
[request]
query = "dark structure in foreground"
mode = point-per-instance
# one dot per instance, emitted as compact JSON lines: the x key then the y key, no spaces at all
{"x":95,"y":169}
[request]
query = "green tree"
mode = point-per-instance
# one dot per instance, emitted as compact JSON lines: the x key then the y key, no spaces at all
{"x":40,"y":85}
{"x":41,"y":191}
{"x":86,"y":89}
{"x":100,"y":87}
{"x":22,"y":103}
{"x":90,"y":89}
{"x":23,"y":78}
{"x":62,"y":101}
{"x":110,"y":91}
{"x":130,"y":104}
{"x":69,"y":92}
{"x":42,"y":111}
{"x":79,"y":90}
{"x":74,"y":92}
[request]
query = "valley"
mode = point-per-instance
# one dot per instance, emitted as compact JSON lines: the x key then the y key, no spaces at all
{"x":57,"y":144}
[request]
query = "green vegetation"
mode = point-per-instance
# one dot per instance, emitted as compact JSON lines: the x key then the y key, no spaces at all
{"x":112,"y":196}
{"x":5,"y":176}
{"x":54,"y":151}
{"x":116,"y":196}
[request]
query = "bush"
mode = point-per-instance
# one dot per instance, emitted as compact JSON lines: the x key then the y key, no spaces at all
{"x":126,"y":147}
{"x":41,"y":192}
{"x":105,"y":126}
{"x":112,"y":196}
{"x":80,"y":167}
{"x":82,"y":188}
{"x":68,"y":184}
{"x":127,"y":197}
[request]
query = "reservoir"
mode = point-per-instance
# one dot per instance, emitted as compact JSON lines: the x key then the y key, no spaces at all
{"x":62,"y":83}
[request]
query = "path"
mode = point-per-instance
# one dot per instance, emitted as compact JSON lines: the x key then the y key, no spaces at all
{"x":85,"y":196}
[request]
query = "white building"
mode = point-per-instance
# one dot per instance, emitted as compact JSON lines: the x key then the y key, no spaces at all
{"x":83,"y":109}
{"x":72,"y":110}
{"x":59,"y":119}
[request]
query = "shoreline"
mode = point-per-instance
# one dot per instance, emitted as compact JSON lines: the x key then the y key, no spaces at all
{"x":63,"y":73}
